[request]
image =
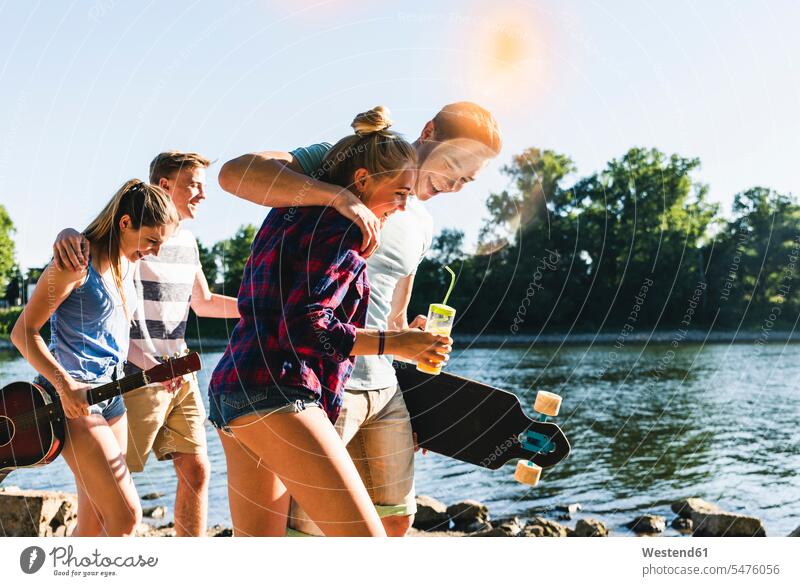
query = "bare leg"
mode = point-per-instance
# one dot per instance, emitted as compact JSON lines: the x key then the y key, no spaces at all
{"x":90,"y":522}
{"x":258,"y":499}
{"x":92,"y":451}
{"x":305,"y":452}
{"x":191,"y":497}
{"x":119,"y":427}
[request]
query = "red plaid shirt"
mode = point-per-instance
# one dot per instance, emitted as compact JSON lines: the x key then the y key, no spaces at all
{"x":304,"y":292}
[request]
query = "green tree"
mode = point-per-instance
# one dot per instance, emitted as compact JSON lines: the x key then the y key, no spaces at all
{"x":535,"y":192}
{"x":232,"y":255}
{"x":645,"y":218}
{"x":578,"y":254}
{"x":431,"y":281}
{"x":751,"y":270}
{"x":14,"y":290}
{"x":7,"y":255}
{"x":208,"y":260}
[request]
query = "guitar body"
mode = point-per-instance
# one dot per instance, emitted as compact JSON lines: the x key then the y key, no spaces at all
{"x":37,"y":445}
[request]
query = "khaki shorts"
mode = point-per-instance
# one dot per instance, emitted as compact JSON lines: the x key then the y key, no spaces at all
{"x":165,"y":423}
{"x":376,"y":427}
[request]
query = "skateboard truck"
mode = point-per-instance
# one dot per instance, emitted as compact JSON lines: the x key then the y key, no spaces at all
{"x":544,"y":440}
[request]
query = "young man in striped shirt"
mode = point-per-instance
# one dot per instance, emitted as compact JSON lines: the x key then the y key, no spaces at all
{"x":168,"y":419}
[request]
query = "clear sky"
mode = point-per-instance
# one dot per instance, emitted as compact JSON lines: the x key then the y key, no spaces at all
{"x":91,"y":91}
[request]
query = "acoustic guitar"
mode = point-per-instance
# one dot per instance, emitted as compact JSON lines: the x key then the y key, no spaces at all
{"x":33,"y":425}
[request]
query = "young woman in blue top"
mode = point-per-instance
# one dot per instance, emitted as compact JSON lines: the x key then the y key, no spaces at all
{"x":89,"y":313}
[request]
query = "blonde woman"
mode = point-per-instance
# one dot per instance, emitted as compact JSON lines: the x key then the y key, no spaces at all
{"x":89,"y":313}
{"x":278,"y":388}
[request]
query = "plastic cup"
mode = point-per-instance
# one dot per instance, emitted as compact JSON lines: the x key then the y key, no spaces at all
{"x":440,"y":321}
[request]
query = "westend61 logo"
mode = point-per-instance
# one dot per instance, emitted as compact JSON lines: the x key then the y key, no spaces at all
{"x":66,"y":563}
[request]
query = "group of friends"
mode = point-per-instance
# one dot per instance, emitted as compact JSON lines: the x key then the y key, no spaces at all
{"x":305,"y":401}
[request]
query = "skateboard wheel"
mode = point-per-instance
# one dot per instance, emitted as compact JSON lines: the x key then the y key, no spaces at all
{"x":527,"y":473}
{"x":547,"y":403}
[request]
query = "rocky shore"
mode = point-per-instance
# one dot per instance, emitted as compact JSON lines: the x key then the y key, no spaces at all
{"x":693,"y":516}
{"x":36,"y":513}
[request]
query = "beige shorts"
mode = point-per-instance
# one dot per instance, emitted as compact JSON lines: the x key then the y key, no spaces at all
{"x":165,"y":423}
{"x":376,"y":427}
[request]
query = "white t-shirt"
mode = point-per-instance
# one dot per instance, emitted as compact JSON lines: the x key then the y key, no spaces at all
{"x":405,"y":239}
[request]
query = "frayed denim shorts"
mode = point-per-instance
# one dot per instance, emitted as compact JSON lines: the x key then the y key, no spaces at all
{"x":226,"y":407}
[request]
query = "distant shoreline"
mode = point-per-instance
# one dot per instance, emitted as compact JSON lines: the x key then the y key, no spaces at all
{"x":583,"y":338}
{"x":569,"y":339}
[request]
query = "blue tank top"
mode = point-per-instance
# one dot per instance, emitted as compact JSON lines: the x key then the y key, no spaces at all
{"x":89,"y":331}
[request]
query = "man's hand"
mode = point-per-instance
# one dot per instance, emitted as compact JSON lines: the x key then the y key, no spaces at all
{"x":71,"y":250}
{"x":354,"y":210}
{"x":170,"y":385}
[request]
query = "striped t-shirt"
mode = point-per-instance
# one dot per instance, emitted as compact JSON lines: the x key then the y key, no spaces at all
{"x":164,"y":290}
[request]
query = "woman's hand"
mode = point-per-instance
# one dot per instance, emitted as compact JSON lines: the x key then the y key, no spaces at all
{"x":421,"y":347}
{"x":354,"y":210}
{"x":73,"y":399}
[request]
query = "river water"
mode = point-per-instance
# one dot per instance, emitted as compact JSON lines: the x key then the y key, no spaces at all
{"x":648,"y":424}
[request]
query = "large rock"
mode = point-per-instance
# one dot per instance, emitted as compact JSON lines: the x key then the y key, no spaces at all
{"x":687,"y":507}
{"x":648,"y":524}
{"x":795,"y":533}
{"x":37,"y":513}
{"x":726,"y":525}
{"x":589,"y":528}
{"x":431,"y":515}
{"x":469,"y":516}
{"x":541,"y":527}
{"x":510,"y":527}
{"x":682,"y":524}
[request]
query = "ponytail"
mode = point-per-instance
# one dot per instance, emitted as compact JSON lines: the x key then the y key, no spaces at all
{"x":146,"y":205}
{"x":373,"y":147}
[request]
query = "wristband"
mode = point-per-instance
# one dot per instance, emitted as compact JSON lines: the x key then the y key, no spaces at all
{"x":381,"y":342}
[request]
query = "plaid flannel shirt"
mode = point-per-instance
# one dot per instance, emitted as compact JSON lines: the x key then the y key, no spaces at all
{"x":304,"y":292}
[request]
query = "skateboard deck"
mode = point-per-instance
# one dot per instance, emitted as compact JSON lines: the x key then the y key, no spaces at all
{"x":476,"y":423}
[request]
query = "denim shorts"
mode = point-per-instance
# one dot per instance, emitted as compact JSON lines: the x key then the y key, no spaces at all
{"x":225,"y":407}
{"x":109,"y":409}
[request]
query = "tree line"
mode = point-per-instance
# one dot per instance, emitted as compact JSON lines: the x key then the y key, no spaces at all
{"x":635,"y":245}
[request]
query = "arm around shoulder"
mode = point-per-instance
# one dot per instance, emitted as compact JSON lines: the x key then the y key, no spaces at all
{"x":274,"y":179}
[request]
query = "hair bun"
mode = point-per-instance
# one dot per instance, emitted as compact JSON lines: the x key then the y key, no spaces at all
{"x":374,"y":120}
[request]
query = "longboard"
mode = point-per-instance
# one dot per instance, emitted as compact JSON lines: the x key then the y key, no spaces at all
{"x":481,"y":424}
